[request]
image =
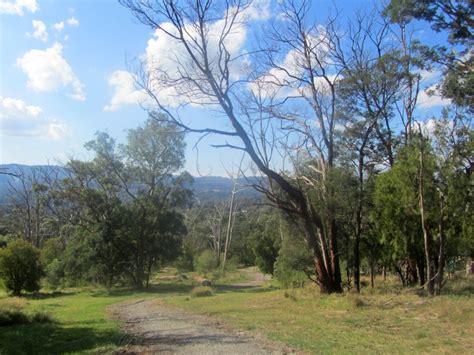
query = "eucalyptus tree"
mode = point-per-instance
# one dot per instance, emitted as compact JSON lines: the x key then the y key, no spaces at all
{"x":455,"y":56}
{"x":131,"y":196}
{"x":369,"y":90}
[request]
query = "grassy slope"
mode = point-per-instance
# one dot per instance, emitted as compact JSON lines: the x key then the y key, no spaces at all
{"x":386,"y":322}
{"x":374,"y":323}
{"x":82,"y":324}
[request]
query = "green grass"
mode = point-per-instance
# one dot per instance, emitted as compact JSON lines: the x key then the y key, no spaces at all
{"x":81,"y":325}
{"x":385,"y":320}
{"x":374,"y":322}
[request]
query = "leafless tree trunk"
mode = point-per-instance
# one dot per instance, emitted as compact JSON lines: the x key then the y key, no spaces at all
{"x":231,"y":216}
{"x":424,"y":223}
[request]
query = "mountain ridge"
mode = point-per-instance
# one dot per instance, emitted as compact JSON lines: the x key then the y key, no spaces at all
{"x":205,"y":188}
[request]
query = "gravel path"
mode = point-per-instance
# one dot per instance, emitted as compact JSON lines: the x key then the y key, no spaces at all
{"x":160,"y":329}
{"x":157,"y":328}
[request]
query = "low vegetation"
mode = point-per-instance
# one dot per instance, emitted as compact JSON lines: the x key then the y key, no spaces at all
{"x":383,"y":320}
{"x":12,"y":312}
{"x":202,"y":291}
{"x":378,"y":320}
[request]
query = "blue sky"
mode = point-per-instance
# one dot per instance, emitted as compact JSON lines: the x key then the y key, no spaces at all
{"x":63,"y":76}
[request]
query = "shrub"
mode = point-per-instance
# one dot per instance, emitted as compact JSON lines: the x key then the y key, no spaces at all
{"x":12,"y":316}
{"x":205,"y":263}
{"x":40,"y":316}
{"x":292,"y":263}
{"x":20,"y":267}
{"x":55,"y":273}
{"x":232,"y":264}
{"x":266,"y":253}
{"x":202,"y":291}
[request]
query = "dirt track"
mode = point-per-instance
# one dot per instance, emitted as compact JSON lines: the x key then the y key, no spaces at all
{"x":157,"y":328}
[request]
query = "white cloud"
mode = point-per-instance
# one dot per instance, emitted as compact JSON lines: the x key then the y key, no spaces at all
{"x":166,"y":59}
{"x":21,"y":120}
{"x":18,"y":7}
{"x":47,"y":70}
{"x":431,"y":97}
{"x":258,"y":10}
{"x":40,"y":31}
{"x":429,"y":127}
{"x":12,"y":107}
{"x":163,"y":60}
{"x":59,"y":26}
{"x":282,"y":79}
{"x":125,"y":93}
{"x":429,"y":75}
{"x":72,"y":21}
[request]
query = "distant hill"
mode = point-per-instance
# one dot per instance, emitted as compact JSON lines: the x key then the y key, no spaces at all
{"x":206,"y":188}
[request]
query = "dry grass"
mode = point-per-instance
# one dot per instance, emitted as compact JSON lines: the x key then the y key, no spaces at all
{"x":377,"y":321}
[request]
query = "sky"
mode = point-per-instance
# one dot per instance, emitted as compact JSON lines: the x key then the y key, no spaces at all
{"x":66,"y":72}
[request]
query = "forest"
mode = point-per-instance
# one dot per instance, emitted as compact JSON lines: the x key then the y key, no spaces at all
{"x":346,"y":180}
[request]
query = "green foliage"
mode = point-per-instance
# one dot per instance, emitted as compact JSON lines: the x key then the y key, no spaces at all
{"x":205,"y":263}
{"x":266,"y":238}
{"x":20,"y":267}
{"x":456,"y":18}
{"x":51,"y":258}
{"x":129,"y":199}
{"x":202,"y":291}
{"x":396,"y":204}
{"x":185,"y":261}
{"x":294,"y":262}
{"x":55,"y":273}
{"x":266,"y":252}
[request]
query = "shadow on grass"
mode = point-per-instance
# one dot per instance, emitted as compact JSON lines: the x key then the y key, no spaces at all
{"x":47,"y":295}
{"x":162,"y":288}
{"x":459,"y":286}
{"x":52,"y":338}
{"x":241,"y":288}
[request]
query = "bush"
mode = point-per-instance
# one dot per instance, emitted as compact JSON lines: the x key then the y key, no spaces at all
{"x":12,"y":316}
{"x":20,"y":267}
{"x":266,"y":253}
{"x":202,"y":291}
{"x":205,"y":263}
{"x":232,"y":264}
{"x":40,"y":316}
{"x":55,"y":273}
{"x":185,"y":262}
{"x":292,"y":263}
